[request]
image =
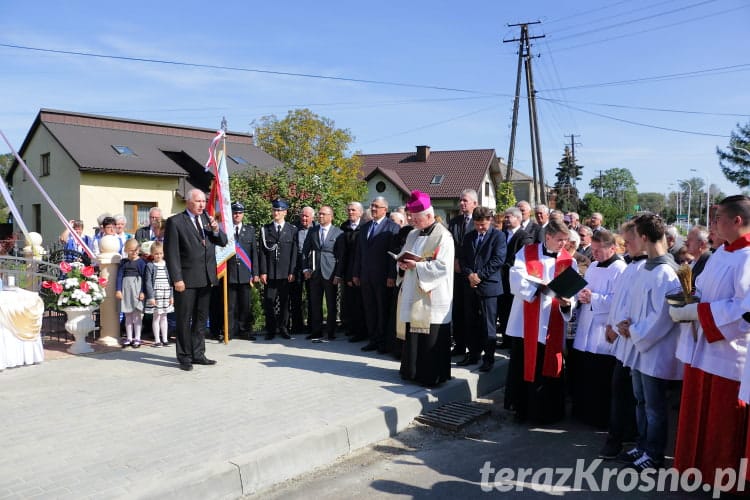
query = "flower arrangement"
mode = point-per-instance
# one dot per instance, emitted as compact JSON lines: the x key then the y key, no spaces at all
{"x":79,"y":286}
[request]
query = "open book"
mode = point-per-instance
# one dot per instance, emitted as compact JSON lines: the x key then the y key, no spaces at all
{"x":405,"y":255}
{"x":566,"y":284}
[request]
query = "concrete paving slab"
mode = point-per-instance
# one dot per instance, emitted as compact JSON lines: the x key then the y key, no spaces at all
{"x":129,"y":423}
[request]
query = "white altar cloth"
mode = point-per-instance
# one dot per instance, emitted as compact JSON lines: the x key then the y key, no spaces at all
{"x":20,"y":328}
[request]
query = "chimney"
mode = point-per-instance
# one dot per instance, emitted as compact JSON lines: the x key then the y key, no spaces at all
{"x":423,"y":152}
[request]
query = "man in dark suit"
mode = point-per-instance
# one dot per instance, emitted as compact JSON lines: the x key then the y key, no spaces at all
{"x":189,"y":247}
{"x":278,"y":262}
{"x":516,"y":238}
{"x":459,"y":226}
{"x":352,"y":312}
{"x":149,"y":233}
{"x":527,"y":220}
{"x":299,"y":285}
{"x":482,"y":257}
{"x":375,"y":272}
{"x":242,"y":272}
{"x":322,"y":254}
{"x":584,"y":248}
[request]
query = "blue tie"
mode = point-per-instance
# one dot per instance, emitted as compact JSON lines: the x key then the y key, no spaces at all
{"x":480,"y":239}
{"x":372,"y":230}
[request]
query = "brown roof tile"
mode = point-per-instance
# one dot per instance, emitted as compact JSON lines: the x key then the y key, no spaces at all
{"x":463,"y":169}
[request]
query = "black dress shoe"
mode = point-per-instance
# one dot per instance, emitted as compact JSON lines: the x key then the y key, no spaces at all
{"x":186,"y":366}
{"x":370,"y":347}
{"x":458,"y":352}
{"x":204,"y":361}
{"x":270,"y":336}
{"x":251,"y":337}
{"x":486,"y":366}
{"x":332,"y":337}
{"x":313,"y":336}
{"x":468,"y":360}
{"x":285,"y":335}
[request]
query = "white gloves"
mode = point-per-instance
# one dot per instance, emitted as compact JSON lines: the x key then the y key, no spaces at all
{"x":688,"y":312}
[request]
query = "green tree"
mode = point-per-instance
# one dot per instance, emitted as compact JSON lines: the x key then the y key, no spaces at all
{"x":735,"y":160}
{"x":652,"y":202}
{"x":568,"y":172}
{"x":6,"y":160}
{"x":315,"y":152}
{"x":505,"y":197}
{"x":614,"y":195}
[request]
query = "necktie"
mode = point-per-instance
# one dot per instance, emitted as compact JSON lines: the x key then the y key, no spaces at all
{"x":198,"y":225}
{"x":278,"y":231}
{"x":322,"y":236}
{"x":236,"y":233}
{"x":372,"y":230}
{"x":480,"y":239}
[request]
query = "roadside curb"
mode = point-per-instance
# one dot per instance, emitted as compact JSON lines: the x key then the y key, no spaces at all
{"x":252,"y":472}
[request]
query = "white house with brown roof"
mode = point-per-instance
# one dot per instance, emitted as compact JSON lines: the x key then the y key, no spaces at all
{"x":92,"y":164}
{"x":441,"y":174}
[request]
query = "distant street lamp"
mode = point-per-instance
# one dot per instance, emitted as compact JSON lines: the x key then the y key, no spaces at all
{"x":690,"y":196}
{"x":708,"y":194}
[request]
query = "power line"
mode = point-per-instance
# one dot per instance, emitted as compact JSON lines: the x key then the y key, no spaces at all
{"x":644,"y":18}
{"x":644,"y":108}
{"x":655,"y":28}
{"x":429,"y":125}
{"x":647,"y":125}
{"x":583,"y":13}
{"x":234,"y":68}
{"x":672,"y":76}
{"x":610,"y":17}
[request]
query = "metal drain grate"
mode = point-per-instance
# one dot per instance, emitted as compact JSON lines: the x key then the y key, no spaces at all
{"x":453,"y":416}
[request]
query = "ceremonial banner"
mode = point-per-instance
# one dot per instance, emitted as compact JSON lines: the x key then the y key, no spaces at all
{"x":219,"y":203}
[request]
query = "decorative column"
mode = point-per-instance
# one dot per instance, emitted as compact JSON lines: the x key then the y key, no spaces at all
{"x":109,"y":310}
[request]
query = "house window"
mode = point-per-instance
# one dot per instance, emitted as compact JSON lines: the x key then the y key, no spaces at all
{"x":137,"y":214}
{"x":437,"y":179}
{"x":44,"y":165}
{"x":380,"y":186}
{"x":36,"y":217}
{"x":239,"y":160}
{"x":123,"y":150}
{"x":486,"y":188}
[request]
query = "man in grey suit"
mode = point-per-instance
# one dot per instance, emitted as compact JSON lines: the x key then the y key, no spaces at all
{"x":189,"y":247}
{"x":322,"y":256}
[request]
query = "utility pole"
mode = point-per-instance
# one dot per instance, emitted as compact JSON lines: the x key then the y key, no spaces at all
{"x":524,"y":55}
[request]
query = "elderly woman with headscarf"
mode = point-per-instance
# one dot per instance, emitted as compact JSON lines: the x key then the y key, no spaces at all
{"x":426,"y":296}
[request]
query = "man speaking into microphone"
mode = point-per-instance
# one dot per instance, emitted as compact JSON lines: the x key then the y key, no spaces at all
{"x":189,"y":246}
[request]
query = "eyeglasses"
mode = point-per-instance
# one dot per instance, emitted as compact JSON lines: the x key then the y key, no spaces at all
{"x":376,"y":206}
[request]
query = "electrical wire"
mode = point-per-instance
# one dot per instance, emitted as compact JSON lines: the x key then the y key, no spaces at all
{"x":640,"y":124}
{"x":673,"y":76}
{"x":644,"y":108}
{"x":625,"y":23}
{"x":648,"y":30}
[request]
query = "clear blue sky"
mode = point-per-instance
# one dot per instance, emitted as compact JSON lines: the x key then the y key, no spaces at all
{"x":456,"y":45}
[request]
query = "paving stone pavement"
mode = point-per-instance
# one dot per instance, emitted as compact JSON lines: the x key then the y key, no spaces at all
{"x":129,"y":423}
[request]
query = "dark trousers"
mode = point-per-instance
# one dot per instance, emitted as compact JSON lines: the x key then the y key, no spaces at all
{"x":298,"y":304}
{"x":504,"y":304}
{"x":239,"y":309}
{"x":191,"y":311}
{"x":352,"y":313}
{"x":480,"y":314}
{"x":376,"y":300}
{"x":319,"y":288}
{"x":622,"y":427}
{"x":276,"y":321}
{"x":458,"y":324}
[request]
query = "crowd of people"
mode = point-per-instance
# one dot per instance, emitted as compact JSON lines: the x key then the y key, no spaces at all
{"x":405,"y":284}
